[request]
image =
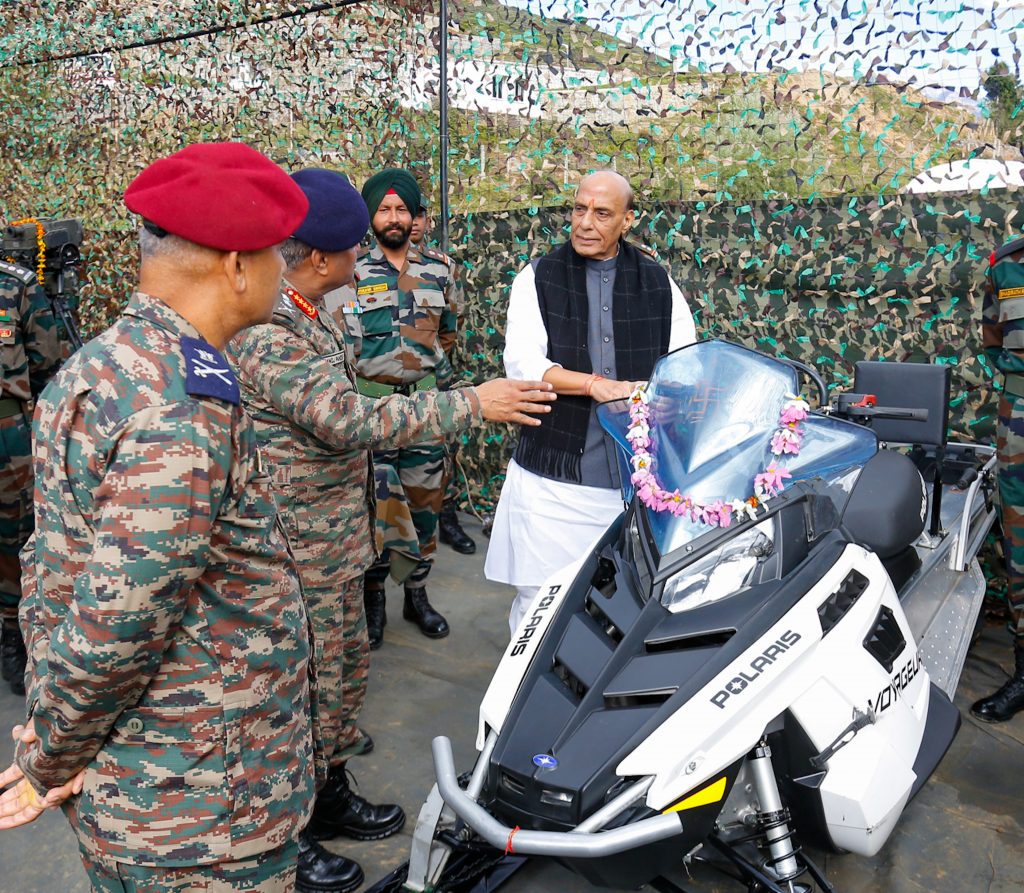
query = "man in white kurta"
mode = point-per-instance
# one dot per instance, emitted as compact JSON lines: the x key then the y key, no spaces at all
{"x":591,"y":318}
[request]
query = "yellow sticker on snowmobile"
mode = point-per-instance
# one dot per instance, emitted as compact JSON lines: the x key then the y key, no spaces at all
{"x":710,"y":794}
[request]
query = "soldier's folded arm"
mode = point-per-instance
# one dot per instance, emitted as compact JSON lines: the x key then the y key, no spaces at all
{"x":158,"y":495}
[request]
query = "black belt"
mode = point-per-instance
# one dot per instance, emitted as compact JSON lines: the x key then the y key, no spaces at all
{"x":10,"y":407}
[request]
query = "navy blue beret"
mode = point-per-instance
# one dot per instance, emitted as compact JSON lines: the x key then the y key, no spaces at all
{"x":337,"y":218}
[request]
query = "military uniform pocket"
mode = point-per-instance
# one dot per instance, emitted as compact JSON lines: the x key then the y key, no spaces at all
{"x":181,"y":745}
{"x":430,"y":304}
{"x":377,"y":322}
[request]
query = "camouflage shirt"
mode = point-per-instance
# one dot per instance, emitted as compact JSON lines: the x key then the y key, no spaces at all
{"x":168,"y":640}
{"x":1002,"y":318}
{"x":402,"y":323}
{"x":30,"y":349}
{"x":316,"y":430}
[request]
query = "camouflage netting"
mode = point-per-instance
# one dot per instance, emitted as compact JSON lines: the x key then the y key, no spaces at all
{"x":771,"y":144}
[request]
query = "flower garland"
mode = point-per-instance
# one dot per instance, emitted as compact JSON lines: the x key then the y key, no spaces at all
{"x":719,"y":512}
{"x":40,"y":242}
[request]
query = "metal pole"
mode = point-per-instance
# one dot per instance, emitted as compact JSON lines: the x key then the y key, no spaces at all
{"x":443,"y":26}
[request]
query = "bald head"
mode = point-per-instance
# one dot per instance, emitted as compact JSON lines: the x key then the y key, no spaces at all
{"x":602,"y":213}
{"x":612,"y":180}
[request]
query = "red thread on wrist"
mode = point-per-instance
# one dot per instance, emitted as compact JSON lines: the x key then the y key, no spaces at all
{"x":589,"y":383}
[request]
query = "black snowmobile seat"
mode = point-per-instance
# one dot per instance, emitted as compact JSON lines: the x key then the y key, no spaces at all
{"x":912,"y":386}
{"x":887,"y":508}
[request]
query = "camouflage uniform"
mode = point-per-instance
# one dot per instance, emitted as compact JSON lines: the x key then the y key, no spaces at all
{"x":1002,"y":332}
{"x":315,"y":429}
{"x":402,"y":325}
{"x":30,"y":352}
{"x":395,"y":533}
{"x":168,"y":640}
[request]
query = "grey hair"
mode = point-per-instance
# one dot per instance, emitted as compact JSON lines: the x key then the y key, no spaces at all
{"x":295,"y":252}
{"x":170,"y":247}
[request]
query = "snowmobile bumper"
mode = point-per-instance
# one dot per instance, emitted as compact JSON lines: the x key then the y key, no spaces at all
{"x":563,"y":844}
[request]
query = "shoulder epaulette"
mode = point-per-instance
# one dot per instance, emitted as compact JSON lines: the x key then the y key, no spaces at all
{"x":1009,"y":248}
{"x":436,"y":254}
{"x":26,"y":276}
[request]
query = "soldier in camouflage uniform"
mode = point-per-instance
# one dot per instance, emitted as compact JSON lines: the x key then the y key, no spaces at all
{"x":169,"y":646}
{"x":30,"y":352}
{"x":449,"y":530}
{"x":1002,"y":335}
{"x":315,"y":430}
{"x":403,"y":321}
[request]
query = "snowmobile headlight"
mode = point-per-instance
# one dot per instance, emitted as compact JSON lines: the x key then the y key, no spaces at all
{"x":556,"y":798}
{"x":726,"y":571}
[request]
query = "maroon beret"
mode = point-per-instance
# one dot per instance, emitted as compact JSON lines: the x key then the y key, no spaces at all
{"x":222,"y":195}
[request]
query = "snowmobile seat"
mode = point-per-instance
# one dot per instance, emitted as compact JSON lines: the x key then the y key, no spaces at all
{"x":886,"y":509}
{"x":912,"y":386}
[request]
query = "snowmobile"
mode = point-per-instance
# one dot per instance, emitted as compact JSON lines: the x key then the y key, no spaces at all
{"x":760,"y":652}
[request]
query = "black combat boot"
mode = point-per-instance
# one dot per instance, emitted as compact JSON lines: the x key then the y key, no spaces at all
{"x":340,"y":810}
{"x":422,"y":613}
{"x":1009,"y":699}
{"x":321,"y":871}
{"x":450,"y":531}
{"x":12,"y":657}
{"x":376,"y":615}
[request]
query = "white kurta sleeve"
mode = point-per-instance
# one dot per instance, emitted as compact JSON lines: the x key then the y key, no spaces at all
{"x":683,"y":329}
{"x":526,"y":339}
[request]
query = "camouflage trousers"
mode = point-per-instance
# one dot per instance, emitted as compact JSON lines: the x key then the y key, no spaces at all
{"x":420,"y":471}
{"x":269,"y":872}
{"x":395,"y":533}
{"x":1010,"y":453}
{"x":15,"y":508}
{"x":455,"y":481}
{"x":341,"y":655}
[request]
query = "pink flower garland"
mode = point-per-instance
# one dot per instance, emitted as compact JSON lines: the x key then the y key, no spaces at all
{"x":720,"y":512}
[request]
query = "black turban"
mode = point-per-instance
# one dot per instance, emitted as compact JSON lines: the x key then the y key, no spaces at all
{"x":393,"y":178}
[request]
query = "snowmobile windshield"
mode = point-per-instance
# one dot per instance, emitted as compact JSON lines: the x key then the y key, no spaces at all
{"x":713,"y":409}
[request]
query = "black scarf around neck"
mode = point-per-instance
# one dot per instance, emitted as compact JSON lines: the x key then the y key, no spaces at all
{"x":642,"y":322}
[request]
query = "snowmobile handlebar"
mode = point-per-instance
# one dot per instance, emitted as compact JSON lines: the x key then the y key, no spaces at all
{"x":543,"y":843}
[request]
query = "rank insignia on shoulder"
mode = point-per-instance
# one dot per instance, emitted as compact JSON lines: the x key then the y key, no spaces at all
{"x":351,"y":307}
{"x":437,"y":254}
{"x":301,"y":302}
{"x":374,"y":289}
{"x":207,"y":373}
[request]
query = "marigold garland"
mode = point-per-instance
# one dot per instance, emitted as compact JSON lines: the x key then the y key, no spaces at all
{"x":719,"y":512}
{"x":40,"y":241}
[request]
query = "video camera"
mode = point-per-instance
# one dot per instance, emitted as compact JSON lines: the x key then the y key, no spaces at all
{"x":63,"y":240}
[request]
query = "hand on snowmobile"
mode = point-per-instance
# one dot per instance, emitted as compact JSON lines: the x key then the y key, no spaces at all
{"x":604,"y":389}
{"x":506,"y":400}
{"x":20,"y":803}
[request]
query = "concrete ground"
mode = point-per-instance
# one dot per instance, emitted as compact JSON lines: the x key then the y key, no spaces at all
{"x":963,"y":833}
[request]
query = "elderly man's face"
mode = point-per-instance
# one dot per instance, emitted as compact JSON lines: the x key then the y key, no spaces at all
{"x":600,"y":217}
{"x":264,"y":270}
{"x":392,"y":223}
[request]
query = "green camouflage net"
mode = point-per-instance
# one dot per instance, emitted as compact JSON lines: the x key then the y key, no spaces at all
{"x":771,"y":143}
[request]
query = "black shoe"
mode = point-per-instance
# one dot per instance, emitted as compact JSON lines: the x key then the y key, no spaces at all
{"x":13,"y":657}
{"x":1009,"y":700}
{"x":321,"y":871}
{"x":364,"y":742}
{"x":376,"y":614}
{"x":339,"y":810}
{"x":450,"y":531}
{"x":422,"y":613}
